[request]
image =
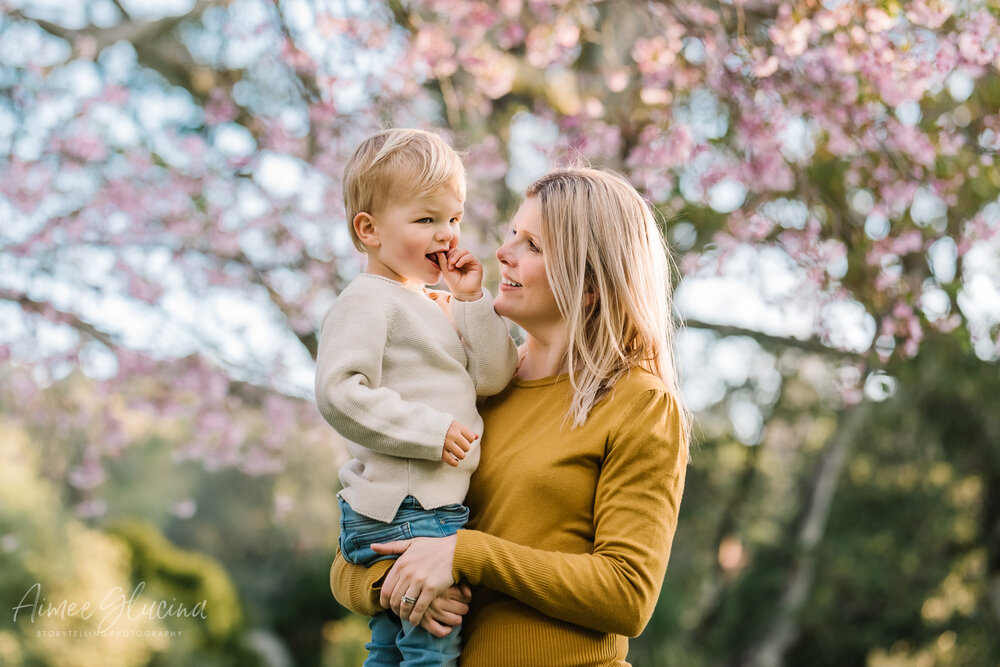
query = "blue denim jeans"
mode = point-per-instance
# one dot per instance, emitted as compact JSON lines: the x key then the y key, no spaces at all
{"x":394,"y":640}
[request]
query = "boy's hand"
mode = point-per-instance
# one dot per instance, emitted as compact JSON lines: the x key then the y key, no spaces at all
{"x":456,"y":443}
{"x":462,"y":273}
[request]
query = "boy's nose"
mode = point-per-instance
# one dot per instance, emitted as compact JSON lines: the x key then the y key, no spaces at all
{"x":444,"y":234}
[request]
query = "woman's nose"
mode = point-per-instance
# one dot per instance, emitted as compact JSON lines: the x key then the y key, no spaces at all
{"x":503,"y":254}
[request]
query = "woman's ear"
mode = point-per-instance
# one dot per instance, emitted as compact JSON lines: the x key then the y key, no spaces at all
{"x":364,"y":227}
{"x":589,"y":296}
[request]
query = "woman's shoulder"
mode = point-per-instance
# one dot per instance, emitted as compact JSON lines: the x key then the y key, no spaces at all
{"x":640,"y":391}
{"x":636,"y":383}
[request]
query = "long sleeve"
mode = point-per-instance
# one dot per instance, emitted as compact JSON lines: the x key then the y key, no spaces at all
{"x":490,"y":349}
{"x":348,"y":385}
{"x":357,"y":588}
{"x":614,"y":588}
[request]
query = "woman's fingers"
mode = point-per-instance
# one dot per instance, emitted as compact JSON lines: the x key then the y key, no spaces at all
{"x":447,"y":610}
{"x":466,"y":590}
{"x":384,"y":548}
{"x":452,"y":606}
{"x":419,"y":607}
{"x":444,"y":616}
{"x":422,"y":572}
{"x":435,"y":627}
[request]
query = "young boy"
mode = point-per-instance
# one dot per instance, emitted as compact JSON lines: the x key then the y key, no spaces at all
{"x":399,"y":366}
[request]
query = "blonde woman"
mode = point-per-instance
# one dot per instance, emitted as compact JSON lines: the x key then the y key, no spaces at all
{"x":574,"y":504}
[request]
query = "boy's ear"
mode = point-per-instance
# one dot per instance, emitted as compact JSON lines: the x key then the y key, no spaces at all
{"x":364,"y":227}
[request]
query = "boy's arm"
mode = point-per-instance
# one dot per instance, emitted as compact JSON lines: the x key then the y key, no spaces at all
{"x":491,"y":350}
{"x":348,"y":392}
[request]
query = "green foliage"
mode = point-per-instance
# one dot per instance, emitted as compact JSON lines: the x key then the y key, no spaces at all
{"x":189,"y":577}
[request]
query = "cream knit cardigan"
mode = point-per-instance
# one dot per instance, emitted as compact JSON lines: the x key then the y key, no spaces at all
{"x":392,"y":373}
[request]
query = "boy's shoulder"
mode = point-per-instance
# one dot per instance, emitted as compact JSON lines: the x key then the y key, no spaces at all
{"x":366,"y":289}
{"x":378,"y":296}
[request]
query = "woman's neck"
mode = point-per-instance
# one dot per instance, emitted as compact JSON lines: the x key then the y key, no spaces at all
{"x":543,"y":357}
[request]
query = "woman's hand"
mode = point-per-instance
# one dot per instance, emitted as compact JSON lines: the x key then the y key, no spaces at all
{"x":446,"y":610}
{"x":422,"y":572}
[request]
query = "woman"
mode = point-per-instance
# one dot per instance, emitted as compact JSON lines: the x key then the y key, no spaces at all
{"x":575,"y":501}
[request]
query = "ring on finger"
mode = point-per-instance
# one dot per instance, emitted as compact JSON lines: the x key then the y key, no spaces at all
{"x":407,"y":598}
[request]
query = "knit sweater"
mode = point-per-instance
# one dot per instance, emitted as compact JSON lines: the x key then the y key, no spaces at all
{"x":570,"y":529}
{"x":393,"y":370}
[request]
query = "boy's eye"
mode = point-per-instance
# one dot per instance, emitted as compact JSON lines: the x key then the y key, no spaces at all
{"x":425,"y":220}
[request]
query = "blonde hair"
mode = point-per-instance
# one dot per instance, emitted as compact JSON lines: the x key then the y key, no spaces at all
{"x":398,"y":163}
{"x":609,"y":270}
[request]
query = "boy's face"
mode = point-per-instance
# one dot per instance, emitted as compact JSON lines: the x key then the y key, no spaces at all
{"x":410,"y":232}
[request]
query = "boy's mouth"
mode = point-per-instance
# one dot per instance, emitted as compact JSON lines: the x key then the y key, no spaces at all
{"x":432,"y":258}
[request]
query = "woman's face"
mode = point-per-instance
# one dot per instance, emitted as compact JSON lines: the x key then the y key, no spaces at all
{"x":525,"y":295}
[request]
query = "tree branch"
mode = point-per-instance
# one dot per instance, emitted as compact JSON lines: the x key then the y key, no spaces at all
{"x":808,"y":345}
{"x":30,"y":305}
{"x":769,"y":651}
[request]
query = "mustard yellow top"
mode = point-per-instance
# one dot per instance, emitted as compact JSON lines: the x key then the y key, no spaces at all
{"x":570,"y":528}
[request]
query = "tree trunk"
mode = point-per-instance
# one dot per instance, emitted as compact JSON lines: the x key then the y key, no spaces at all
{"x":769,"y":651}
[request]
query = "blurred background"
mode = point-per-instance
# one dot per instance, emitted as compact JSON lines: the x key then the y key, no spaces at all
{"x":172,"y":231}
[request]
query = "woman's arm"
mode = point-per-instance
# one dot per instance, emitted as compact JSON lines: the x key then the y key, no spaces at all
{"x":612,"y":589}
{"x":357,"y":588}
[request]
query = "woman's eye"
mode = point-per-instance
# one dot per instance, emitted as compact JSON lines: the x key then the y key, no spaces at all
{"x":533,"y":247}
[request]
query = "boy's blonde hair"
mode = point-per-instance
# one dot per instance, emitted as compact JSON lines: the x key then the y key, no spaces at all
{"x":397,"y":163}
{"x":609,"y":270}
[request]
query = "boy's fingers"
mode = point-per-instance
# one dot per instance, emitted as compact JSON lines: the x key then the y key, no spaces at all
{"x":464,"y":259}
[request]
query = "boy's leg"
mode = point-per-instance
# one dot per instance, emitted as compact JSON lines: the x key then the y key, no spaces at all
{"x":420,"y":648}
{"x":382,"y":650}
{"x":414,"y":645}
{"x":356,"y":533}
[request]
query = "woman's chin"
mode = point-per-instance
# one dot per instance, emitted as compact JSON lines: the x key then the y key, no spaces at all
{"x":500,"y":305}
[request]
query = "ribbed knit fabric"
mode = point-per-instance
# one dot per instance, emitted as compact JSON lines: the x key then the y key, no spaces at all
{"x":570,"y":530}
{"x":392,"y":372}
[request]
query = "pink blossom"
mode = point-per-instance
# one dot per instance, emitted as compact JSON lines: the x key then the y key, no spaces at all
{"x":91,"y":509}
{"x":434,"y":46}
{"x":89,"y":474}
{"x":548,"y":44}
{"x":219,"y":108}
